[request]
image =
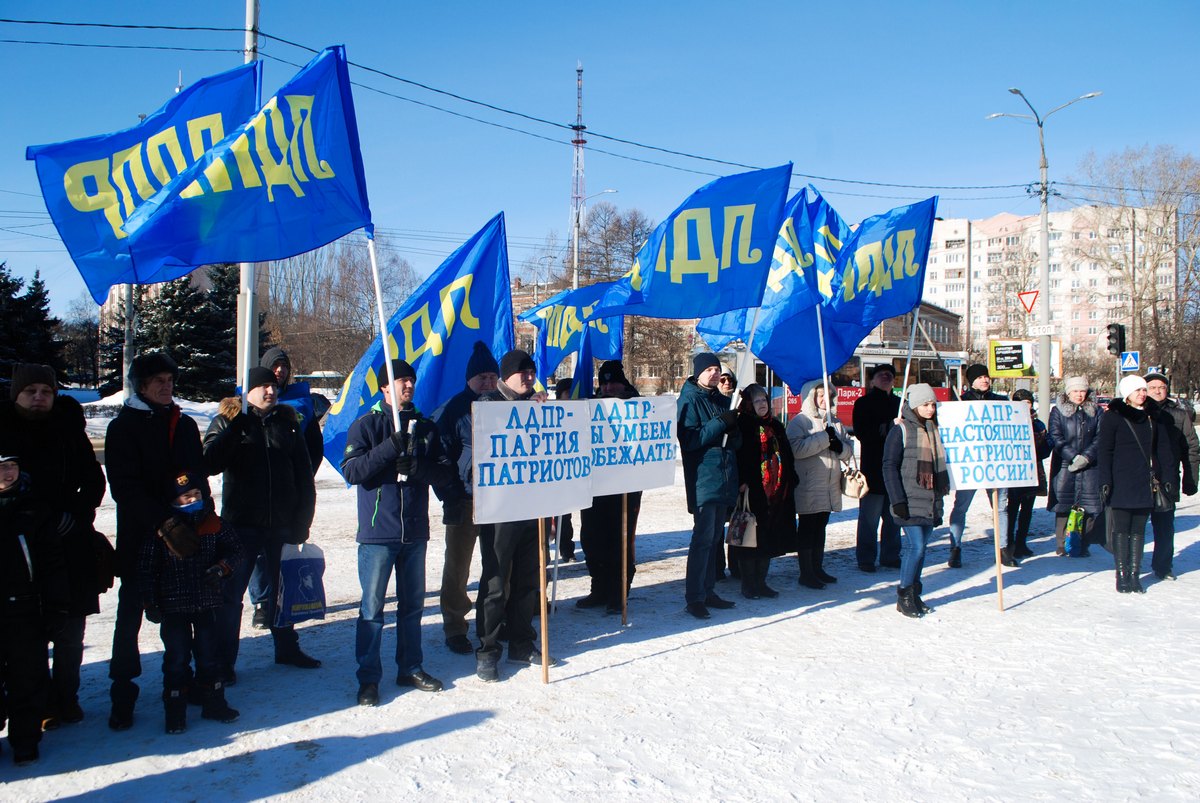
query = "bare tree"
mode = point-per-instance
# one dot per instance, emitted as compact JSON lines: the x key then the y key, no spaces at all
{"x":321,"y":305}
{"x":1146,"y":220}
{"x":80,"y":333}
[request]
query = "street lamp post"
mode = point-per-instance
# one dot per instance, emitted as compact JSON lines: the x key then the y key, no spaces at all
{"x":576,"y":220}
{"x":1043,"y":368}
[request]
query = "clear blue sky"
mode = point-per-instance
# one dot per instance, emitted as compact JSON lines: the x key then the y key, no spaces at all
{"x":874,"y":91}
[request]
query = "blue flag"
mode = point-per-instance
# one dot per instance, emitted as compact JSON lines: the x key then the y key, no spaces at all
{"x":288,"y":180}
{"x":582,"y":382}
{"x":862,"y":277}
{"x":710,"y":255}
{"x":92,"y":185}
{"x":560,"y":321}
{"x":466,"y":299}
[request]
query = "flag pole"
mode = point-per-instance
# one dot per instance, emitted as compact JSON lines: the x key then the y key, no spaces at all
{"x":383,"y":335}
{"x":625,"y":558}
{"x":739,"y":365}
{"x":542,"y":599}
{"x":912,"y":342}
{"x":824,"y":368}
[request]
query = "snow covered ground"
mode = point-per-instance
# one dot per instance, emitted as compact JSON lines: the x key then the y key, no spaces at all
{"x":1073,"y":693}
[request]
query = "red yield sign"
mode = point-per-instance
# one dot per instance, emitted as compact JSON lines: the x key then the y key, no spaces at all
{"x":1028,"y":299}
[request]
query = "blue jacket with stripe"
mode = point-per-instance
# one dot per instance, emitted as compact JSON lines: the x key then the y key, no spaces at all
{"x":392,"y":510}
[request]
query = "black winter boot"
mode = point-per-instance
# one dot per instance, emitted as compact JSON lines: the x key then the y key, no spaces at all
{"x":1121,"y":561}
{"x":215,"y":706}
{"x":808,"y":577}
{"x":955,"y":561}
{"x":921,"y":606}
{"x":906,"y":602}
{"x":819,"y":563}
{"x":1137,"y":544}
{"x":175,"y":705}
{"x":287,"y":649}
{"x":762,"y":566}
{"x":747,"y":569}
{"x":486,"y":664}
{"x":1007,"y":558}
{"x":124,"y":694}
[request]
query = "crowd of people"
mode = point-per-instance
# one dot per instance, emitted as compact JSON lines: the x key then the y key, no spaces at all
{"x":187,"y":568}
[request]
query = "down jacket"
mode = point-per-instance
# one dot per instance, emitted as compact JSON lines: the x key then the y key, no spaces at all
{"x":392,"y":510}
{"x":267,"y":477}
{"x":710,"y":472}
{"x":1073,"y":430}
{"x":925,"y":505}
{"x":819,"y":467}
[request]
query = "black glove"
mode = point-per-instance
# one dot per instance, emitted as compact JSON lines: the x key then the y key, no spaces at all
{"x":216,"y":573}
{"x":729,"y":419}
{"x":404,"y":464}
{"x":180,"y":536}
{"x":835,"y":443}
{"x":900,"y":510}
{"x":153,"y":615}
{"x":1189,"y":488}
{"x":1105,"y":494}
{"x":400,"y":439}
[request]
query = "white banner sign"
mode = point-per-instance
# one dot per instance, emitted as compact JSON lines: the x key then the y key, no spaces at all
{"x":633,"y":444}
{"x":530,"y":460}
{"x":989,"y":444}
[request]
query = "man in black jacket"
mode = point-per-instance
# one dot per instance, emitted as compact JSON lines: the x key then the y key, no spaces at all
{"x":50,"y":434}
{"x":148,"y":441}
{"x":1179,"y":421}
{"x":875,"y":413}
{"x":268,"y":498}
{"x":453,"y":421}
{"x":979,"y":388}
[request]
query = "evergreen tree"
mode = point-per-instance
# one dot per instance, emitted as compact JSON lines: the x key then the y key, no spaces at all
{"x":27,"y":329}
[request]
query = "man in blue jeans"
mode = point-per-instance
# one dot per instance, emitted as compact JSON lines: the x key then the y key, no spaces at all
{"x":393,"y":471}
{"x":980,"y":389}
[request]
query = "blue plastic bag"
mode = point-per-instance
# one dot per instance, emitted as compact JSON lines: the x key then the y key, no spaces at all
{"x":300,"y":595}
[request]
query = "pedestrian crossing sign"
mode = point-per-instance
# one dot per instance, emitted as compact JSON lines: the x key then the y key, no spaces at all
{"x":1130,"y":360}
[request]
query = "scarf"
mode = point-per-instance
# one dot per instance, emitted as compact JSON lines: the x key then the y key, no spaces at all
{"x":931,"y":460}
{"x":770,"y":466}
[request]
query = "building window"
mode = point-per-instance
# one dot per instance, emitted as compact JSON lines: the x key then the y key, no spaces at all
{"x":955,"y":243}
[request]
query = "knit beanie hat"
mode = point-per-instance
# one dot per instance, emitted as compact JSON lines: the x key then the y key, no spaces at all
{"x":1076,"y":383}
{"x":147,"y":365}
{"x":187,"y":481}
{"x":261,"y":376}
{"x":481,"y":361}
{"x":611,"y":371}
{"x":703,"y":361}
{"x":514,"y":362}
{"x":1129,"y":384}
{"x":975,"y":371}
{"x":26,"y":374}
{"x":1159,"y":376}
{"x":274,"y":355}
{"x":886,"y":367}
{"x":1021,"y":394}
{"x":921,"y":394}
{"x":401,"y":369}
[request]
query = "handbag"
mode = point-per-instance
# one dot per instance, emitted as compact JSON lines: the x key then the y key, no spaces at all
{"x":300,"y":594}
{"x":1162,"y":502}
{"x":743,"y":527}
{"x":854,"y":482}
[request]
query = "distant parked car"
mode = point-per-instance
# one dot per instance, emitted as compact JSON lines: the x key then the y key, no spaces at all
{"x":1103,"y":401}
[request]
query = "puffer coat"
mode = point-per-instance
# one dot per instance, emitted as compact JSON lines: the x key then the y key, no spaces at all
{"x":1073,"y":429}
{"x":819,"y":467}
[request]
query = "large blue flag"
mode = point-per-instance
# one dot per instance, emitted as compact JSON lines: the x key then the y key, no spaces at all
{"x":583,"y":382}
{"x":92,"y":185}
{"x":710,"y":255}
{"x":560,"y":321}
{"x":862,"y":278}
{"x":288,"y":180}
{"x":466,"y":299}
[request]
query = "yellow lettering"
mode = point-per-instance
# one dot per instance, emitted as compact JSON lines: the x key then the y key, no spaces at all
{"x":131,"y":157}
{"x":431,"y":340}
{"x":275,"y":173}
{"x":788,"y":257}
{"x":208,"y":124}
{"x":464,"y":313}
{"x":88,"y":188}
{"x":824,"y":253}
{"x":743,"y":214}
{"x":165,"y":140}
{"x":705,"y":262}
{"x":898,"y":252}
{"x":317,"y":166}
{"x":848,"y":282}
{"x":868,"y":260}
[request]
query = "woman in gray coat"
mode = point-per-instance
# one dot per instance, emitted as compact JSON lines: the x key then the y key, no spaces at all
{"x":820,"y":448}
{"x":915,"y":473}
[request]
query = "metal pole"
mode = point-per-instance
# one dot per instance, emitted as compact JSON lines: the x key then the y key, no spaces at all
{"x":1043,"y":368}
{"x":247,"y":308}
{"x":127,"y":354}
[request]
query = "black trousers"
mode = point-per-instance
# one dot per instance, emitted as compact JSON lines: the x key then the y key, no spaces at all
{"x":509,"y":586}
{"x":600,"y":535}
{"x":23,"y":666}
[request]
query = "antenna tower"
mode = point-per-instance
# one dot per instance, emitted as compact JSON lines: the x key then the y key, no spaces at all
{"x":577,"y":181}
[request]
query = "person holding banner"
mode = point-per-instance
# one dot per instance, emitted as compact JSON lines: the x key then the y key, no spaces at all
{"x":1138,"y":474}
{"x":600,"y":524}
{"x":1021,"y":499}
{"x":708,"y":442}
{"x":509,"y":583}
{"x":820,"y":449}
{"x":393,"y":469}
{"x":980,"y":390}
{"x":268,"y":498}
{"x":874,"y":414}
{"x":767,"y":470}
{"x":453,"y":421}
{"x":914,"y":470}
{"x":1074,"y":480}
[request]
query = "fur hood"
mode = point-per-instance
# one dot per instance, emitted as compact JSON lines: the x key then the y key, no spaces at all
{"x":809,"y":394}
{"x":1068,"y":407}
{"x":1150,"y":409}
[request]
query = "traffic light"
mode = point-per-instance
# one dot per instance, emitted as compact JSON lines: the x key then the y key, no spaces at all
{"x":1116,"y":339}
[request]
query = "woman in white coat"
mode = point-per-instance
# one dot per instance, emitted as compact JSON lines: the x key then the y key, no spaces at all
{"x":820,"y":449}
